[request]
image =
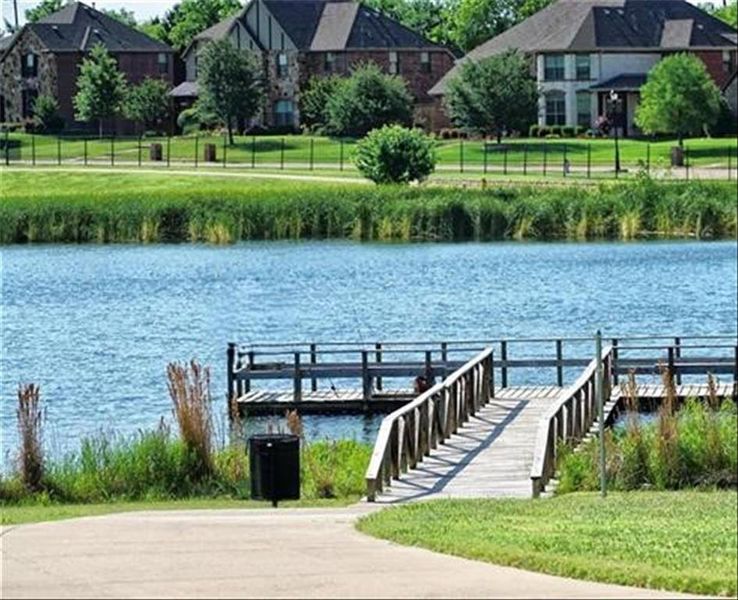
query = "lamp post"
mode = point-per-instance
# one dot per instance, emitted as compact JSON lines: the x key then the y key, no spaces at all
{"x":614,"y":116}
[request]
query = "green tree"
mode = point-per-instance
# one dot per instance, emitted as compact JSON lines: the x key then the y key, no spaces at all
{"x":101,"y":88}
{"x":727,"y":12}
{"x":493,"y":95}
{"x":148,"y":102}
{"x":123,"y":15}
{"x":395,"y":154}
{"x":314,"y":102}
{"x":476,"y":21}
{"x":43,"y":9}
{"x":156,"y":29}
{"x":679,"y":98}
{"x":188,"y":18}
{"x":229,"y":83}
{"x":366,"y":100}
{"x":429,"y":18}
{"x":46,"y":114}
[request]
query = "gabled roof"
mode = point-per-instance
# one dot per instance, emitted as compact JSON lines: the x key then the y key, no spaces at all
{"x":328,"y":25}
{"x":626,"y":82}
{"x":601,"y":25}
{"x":77,"y":28}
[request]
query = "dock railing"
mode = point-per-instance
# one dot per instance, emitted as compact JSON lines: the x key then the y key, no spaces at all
{"x":411,"y":432}
{"x":568,"y":420}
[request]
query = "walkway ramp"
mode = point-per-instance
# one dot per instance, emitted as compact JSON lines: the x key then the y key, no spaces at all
{"x":490,"y":456}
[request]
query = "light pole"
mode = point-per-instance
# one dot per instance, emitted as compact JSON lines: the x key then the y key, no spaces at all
{"x":615,"y":121}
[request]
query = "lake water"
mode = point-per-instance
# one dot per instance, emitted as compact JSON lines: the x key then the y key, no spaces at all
{"x":96,"y":325}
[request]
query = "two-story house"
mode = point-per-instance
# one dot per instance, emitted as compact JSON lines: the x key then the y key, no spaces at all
{"x":45,"y":57}
{"x":299,"y":39}
{"x":583,"y":51}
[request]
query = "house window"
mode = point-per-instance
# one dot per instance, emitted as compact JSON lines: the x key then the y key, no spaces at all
{"x":284,"y":113}
{"x":30,"y":65}
{"x":553,"y":67}
{"x":394,"y":63}
{"x":584,"y":109}
{"x":728,"y":61}
{"x":281,"y":65}
{"x":582,"y":67}
{"x":163,"y":61}
{"x":28,"y":97}
{"x":555,"y":108}
{"x":330,"y":62}
{"x":425,"y":63}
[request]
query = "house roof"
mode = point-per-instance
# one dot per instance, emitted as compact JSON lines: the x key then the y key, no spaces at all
{"x":328,"y":25}
{"x":601,"y":25}
{"x":77,"y":27}
{"x":186,"y":89}
{"x":627,"y":82}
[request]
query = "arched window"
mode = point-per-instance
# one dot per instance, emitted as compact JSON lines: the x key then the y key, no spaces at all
{"x":555,"y":108}
{"x":29,"y":66}
{"x":284,"y":113}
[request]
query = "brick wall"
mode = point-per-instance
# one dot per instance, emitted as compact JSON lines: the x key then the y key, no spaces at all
{"x":716,"y":67}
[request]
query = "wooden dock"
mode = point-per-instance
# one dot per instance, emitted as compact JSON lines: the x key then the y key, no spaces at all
{"x":326,"y":402}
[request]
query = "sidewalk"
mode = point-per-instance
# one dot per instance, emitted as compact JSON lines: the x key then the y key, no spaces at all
{"x":295,"y":553}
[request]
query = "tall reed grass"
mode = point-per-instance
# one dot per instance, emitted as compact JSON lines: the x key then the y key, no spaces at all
{"x":223,"y":212}
{"x":30,"y":421}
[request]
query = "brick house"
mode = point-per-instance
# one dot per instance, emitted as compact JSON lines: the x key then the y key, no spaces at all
{"x":582,"y":50}
{"x":299,"y":39}
{"x":44,"y":58}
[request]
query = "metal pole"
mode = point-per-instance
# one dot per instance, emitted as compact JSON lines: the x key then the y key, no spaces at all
{"x":563,"y":161}
{"x":686,"y":162}
{"x":600,"y":393}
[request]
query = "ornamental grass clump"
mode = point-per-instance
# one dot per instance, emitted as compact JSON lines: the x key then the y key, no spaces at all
{"x":189,"y":389}
{"x":30,"y":420}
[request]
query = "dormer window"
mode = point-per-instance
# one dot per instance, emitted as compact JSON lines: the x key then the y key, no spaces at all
{"x":30,"y":65}
{"x":163,"y":62}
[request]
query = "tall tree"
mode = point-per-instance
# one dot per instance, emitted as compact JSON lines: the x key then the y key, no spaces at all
{"x":493,"y":95}
{"x":148,"y":102}
{"x":101,"y":88}
{"x":123,"y":15}
{"x":188,"y":18}
{"x":229,"y":83}
{"x":476,"y":21}
{"x":43,"y":9}
{"x":678,"y":98}
{"x":727,"y":11}
{"x":429,"y":18}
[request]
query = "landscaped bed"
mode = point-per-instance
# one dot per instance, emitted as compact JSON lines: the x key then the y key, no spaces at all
{"x":683,"y":541}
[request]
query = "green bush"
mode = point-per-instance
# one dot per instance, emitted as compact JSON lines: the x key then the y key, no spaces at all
{"x":567,"y":131}
{"x":46,"y":114}
{"x":543,"y":131}
{"x":394,"y":154}
{"x":533,"y":130}
{"x":188,"y":121}
{"x":314,"y":101}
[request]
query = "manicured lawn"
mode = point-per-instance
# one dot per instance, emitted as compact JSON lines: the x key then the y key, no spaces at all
{"x":298,"y":151}
{"x":36,"y":513}
{"x":681,"y":541}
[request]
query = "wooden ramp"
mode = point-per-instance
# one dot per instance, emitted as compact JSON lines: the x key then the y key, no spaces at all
{"x":491,"y":455}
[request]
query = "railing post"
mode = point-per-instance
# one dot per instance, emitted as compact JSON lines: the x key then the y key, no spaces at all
{"x":670,"y":360}
{"x":297,"y":383}
{"x":677,"y":355}
{"x":648,"y":157}
{"x":428,"y":366}
{"x":599,"y":386}
{"x":231,"y":362}
{"x":559,"y":366}
{"x":444,"y":358}
{"x":313,"y":361}
{"x":563,"y":162}
{"x":486,"y":158}
{"x":589,"y":161}
{"x":503,"y":358}
{"x":247,"y":381}
{"x":378,"y":359}
{"x":366,"y":380}
{"x":614,"y":366}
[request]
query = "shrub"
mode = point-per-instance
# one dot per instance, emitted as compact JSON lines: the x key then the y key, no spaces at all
{"x":580,"y":130}
{"x":188,"y":121}
{"x":46,"y":116}
{"x":366,"y":100}
{"x":567,"y":131}
{"x":533,"y":130}
{"x":394,"y":154}
{"x":314,"y":102}
{"x":554,"y":130}
{"x":543,"y":131}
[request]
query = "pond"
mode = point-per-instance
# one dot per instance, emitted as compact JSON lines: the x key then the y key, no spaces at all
{"x":95,"y":326}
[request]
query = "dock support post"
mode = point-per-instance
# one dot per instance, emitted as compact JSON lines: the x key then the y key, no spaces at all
{"x":503,"y":358}
{"x":378,"y":358}
{"x":677,"y":354}
{"x":297,"y":384}
{"x":428,"y":366}
{"x":313,"y":361}
{"x":601,"y":411}
{"x":559,"y":366}
{"x":366,"y":381}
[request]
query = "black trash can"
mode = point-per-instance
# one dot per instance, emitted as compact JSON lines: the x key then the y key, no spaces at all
{"x":275,"y":467}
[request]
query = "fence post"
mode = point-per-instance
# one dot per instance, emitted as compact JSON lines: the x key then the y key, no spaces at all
{"x":33,"y":150}
{"x":563,"y":161}
{"x":545,"y":156}
{"x":312,"y":153}
{"x":140,"y":138}
{"x":281,"y":154}
{"x":253,"y":151}
{"x":169,"y":150}
{"x":366,"y":381}
{"x":730,"y":156}
{"x":485,"y":157}
{"x":686,"y":162}
{"x":648,"y":157}
{"x":559,"y":366}
{"x":197,"y":148}
{"x":340,"y":160}
{"x":225,"y":150}
{"x":58,"y":150}
{"x":504,"y":159}
{"x":85,"y":151}
{"x":525,"y":159}
{"x":7,"y":147}
{"x":112,"y":150}
{"x":600,"y":387}
{"x":461,"y":155}
{"x":677,"y":354}
{"x":589,"y":160}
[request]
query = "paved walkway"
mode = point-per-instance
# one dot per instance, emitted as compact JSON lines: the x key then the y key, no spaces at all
{"x":294,"y":553}
{"x":490,"y":457}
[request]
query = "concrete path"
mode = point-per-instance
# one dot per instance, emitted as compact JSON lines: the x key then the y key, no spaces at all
{"x":294,"y":553}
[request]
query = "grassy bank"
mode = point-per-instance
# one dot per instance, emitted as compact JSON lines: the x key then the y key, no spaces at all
{"x":86,"y":207}
{"x":681,"y":541}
